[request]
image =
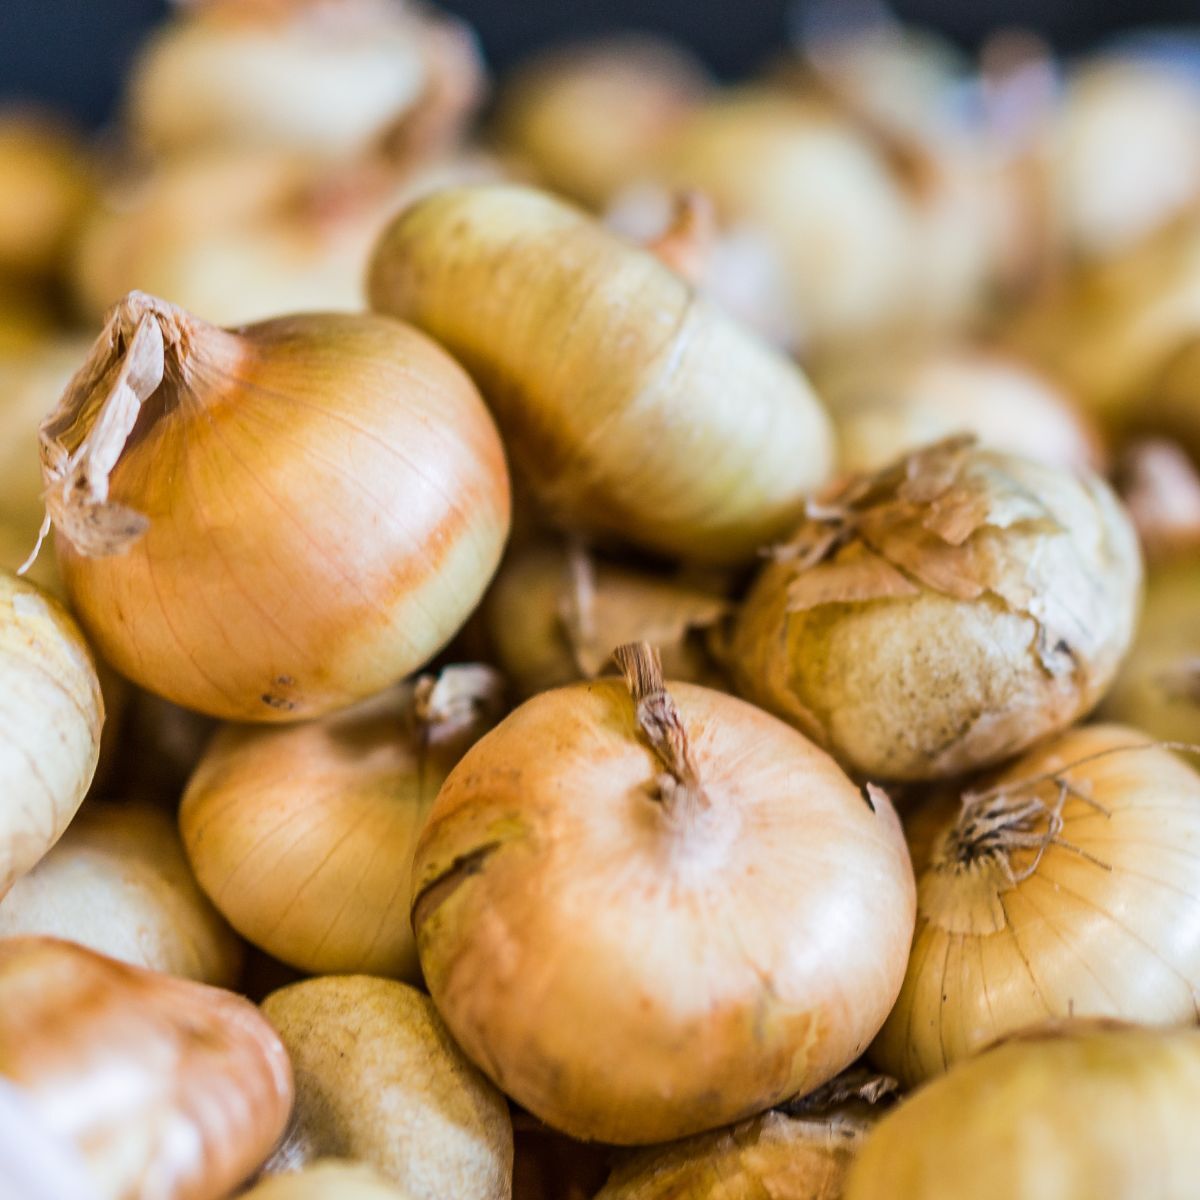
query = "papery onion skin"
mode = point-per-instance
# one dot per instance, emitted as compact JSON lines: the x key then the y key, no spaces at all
{"x":170,"y":1090}
{"x":629,"y":407}
{"x":326,"y":499}
{"x":51,"y":717}
{"x":118,"y":883}
{"x":1107,"y":924}
{"x":631,"y":977}
{"x":379,"y":1080}
{"x":1097,"y":1115}
{"x":328,"y":1179}
{"x":914,"y":654}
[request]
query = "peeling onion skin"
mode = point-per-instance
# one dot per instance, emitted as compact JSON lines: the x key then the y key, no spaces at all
{"x":326,"y":500}
{"x":379,"y":1080}
{"x":629,"y":977}
{"x":631,"y":409}
{"x":1098,"y":1115}
{"x":1108,"y":929}
{"x":913,"y":654}
{"x":118,"y":883}
{"x":51,"y":718}
{"x":169,"y":1090}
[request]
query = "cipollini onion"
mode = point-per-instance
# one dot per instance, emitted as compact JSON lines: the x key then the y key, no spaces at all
{"x":271,"y":523}
{"x":944,"y":613}
{"x":118,"y":883}
{"x":379,"y":1080}
{"x":645,"y":915}
{"x":1091,"y":1112}
{"x":167,"y":1089}
{"x":630,"y":408}
{"x":1064,"y":886}
{"x":51,"y":716}
{"x":303,"y":837}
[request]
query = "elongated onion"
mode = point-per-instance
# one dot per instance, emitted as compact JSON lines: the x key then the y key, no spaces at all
{"x":51,"y":715}
{"x":943,"y":614}
{"x":118,"y":883}
{"x":1064,"y":886}
{"x":303,"y":837}
{"x":271,"y":524}
{"x":1099,"y":1113}
{"x":629,"y":407}
{"x":648,"y":917}
{"x":378,"y":1080}
{"x":167,"y":1089}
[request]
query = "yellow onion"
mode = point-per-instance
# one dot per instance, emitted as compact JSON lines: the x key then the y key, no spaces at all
{"x":630,"y":408}
{"x":1063,"y":886}
{"x":328,"y":1179}
{"x":944,"y":613}
{"x":118,"y":883}
{"x":164,"y":1088}
{"x":322,"y":76}
{"x":378,"y":1080}
{"x":554,"y":614}
{"x":890,"y":406}
{"x":590,"y":119}
{"x":1096,"y":1113}
{"x":648,"y":916}
{"x":51,"y":714}
{"x":303,"y":837}
{"x":271,"y":523}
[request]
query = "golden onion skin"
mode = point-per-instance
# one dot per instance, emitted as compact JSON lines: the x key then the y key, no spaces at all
{"x":327,"y":500}
{"x":1102,"y":1114}
{"x":630,"y":408}
{"x":629,"y":977}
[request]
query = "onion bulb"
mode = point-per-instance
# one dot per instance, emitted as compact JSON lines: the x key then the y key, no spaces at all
{"x":165,"y":1088}
{"x":51,"y":715}
{"x":272,"y":523}
{"x":1063,"y":886}
{"x":630,"y":408}
{"x":645,"y":916}
{"x":1095,"y":1113}
{"x":118,"y":883}
{"x":943,"y":614}
{"x":553,"y":616}
{"x":303,"y":836}
{"x":378,"y":1080}
{"x":327,"y":1179}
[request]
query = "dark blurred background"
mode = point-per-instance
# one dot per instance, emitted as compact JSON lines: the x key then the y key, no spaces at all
{"x":73,"y":53}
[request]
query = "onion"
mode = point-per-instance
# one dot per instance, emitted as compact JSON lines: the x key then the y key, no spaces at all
{"x":1098,"y":1114}
{"x":380,"y":1081}
{"x":271,"y":524}
{"x":327,"y":1179}
{"x":1161,"y":489}
{"x":629,"y":407}
{"x":51,"y":714}
{"x":118,"y":883}
{"x":553,"y":616}
{"x":645,"y":918}
{"x":1064,"y":886}
{"x":277,"y":822}
{"x":943,"y":614}
{"x":164,"y":1087}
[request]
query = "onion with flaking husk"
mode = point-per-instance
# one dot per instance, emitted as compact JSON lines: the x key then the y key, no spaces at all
{"x":1063,"y":886}
{"x":118,"y":883}
{"x":156,"y":1088}
{"x":646,"y":913}
{"x":630,"y":408}
{"x":944,"y":613}
{"x":1084,"y":1111}
{"x":379,"y":1080}
{"x":271,"y":523}
{"x":277,"y":821}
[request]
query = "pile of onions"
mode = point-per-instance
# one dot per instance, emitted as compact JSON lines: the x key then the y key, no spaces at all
{"x":618,"y":872}
{"x":944,"y":613}
{"x":630,"y":408}
{"x":272,"y":523}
